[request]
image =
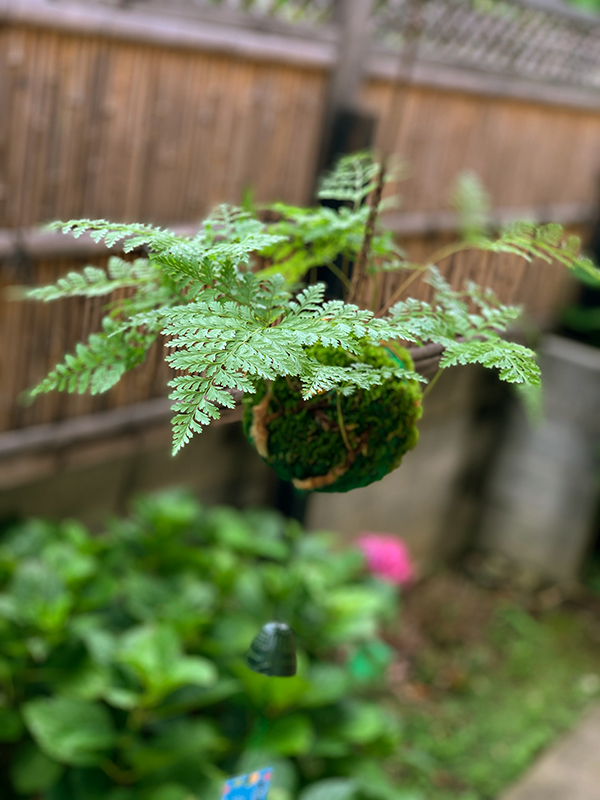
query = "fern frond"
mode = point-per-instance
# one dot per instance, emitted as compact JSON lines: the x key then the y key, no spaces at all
{"x":451,"y":316}
{"x":515,"y":363}
{"x":472,"y":203}
{"x":98,"y":365}
{"x":546,"y":242}
{"x":354,"y":177}
{"x":222,"y":345}
{"x":468,"y":338}
{"x":352,"y":180}
{"x":95,"y":282}
{"x":229,"y":223}
{"x":229,"y":238}
{"x":318,"y":237}
{"x":196,"y":403}
{"x":346,"y":380}
{"x":111,"y":233}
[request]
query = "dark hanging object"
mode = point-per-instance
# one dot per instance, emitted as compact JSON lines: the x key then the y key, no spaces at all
{"x":273,"y":651}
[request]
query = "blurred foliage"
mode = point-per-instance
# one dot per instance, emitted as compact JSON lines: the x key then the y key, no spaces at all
{"x":122,"y":670}
{"x":472,"y":204}
{"x":587,"y":5}
{"x":582,"y":320}
{"x":592,"y":574}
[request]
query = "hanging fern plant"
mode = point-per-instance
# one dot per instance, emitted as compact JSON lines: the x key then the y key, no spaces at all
{"x":326,"y":404}
{"x":334,"y":442}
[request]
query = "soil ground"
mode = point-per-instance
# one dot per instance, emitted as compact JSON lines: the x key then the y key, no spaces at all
{"x":486,"y":679}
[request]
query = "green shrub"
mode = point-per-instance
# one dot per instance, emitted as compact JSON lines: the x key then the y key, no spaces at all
{"x":122,"y":669}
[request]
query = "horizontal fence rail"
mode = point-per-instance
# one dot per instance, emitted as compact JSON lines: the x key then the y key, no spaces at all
{"x":40,"y":243}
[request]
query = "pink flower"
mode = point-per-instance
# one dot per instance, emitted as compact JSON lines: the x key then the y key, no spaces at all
{"x":387,"y":557}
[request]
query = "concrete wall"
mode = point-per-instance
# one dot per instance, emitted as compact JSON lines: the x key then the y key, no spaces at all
{"x":541,"y":501}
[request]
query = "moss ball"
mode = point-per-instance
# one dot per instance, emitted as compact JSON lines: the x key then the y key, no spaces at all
{"x":304,"y":441}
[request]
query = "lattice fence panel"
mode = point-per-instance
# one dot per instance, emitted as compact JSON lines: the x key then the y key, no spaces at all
{"x":507,"y":38}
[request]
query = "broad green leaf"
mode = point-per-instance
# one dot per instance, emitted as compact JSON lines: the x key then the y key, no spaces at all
{"x":231,"y":635}
{"x":274,"y":694}
{"x":175,"y":742}
{"x":156,"y":656}
{"x":370,"y":661}
{"x":170,"y":512}
{"x":11,"y":725}
{"x":235,"y":531}
{"x":100,"y":642}
{"x":179,"y":600}
{"x":351,"y":600}
{"x":189,"y":698}
{"x":120,"y":697}
{"x":170,"y":791}
{"x":328,"y":684}
{"x":33,"y":771}
{"x":71,"y":731}
{"x":376,"y":785}
{"x":365,"y":723}
{"x":69,"y":562}
{"x":38,"y":596}
{"x":292,"y":735}
{"x":330,"y":789}
{"x":89,"y":682}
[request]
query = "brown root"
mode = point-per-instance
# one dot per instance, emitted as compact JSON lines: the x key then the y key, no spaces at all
{"x":259,"y":432}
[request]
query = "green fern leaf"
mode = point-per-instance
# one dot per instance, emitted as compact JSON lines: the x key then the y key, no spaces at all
{"x":95,"y":282}
{"x":516,"y":363}
{"x":98,"y":365}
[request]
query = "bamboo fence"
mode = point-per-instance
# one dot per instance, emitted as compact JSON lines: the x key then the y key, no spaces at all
{"x":122,"y":116}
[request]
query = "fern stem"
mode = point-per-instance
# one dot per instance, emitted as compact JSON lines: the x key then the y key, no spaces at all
{"x":374,"y":296}
{"x":431,"y":384}
{"x":438,"y":255}
{"x":418,"y":272}
{"x":450,"y":250}
{"x":339,"y":274}
{"x":360,"y":266}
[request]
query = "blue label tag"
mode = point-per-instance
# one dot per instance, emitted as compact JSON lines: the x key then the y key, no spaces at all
{"x":253,"y":786}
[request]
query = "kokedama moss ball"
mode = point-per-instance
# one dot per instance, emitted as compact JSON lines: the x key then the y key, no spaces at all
{"x":333,"y":443}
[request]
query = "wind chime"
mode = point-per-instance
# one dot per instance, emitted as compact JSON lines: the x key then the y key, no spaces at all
{"x":273,"y":651}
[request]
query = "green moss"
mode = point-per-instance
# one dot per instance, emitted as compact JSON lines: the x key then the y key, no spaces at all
{"x":305,"y":439}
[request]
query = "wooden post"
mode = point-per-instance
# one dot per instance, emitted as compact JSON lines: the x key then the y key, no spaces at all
{"x":346,"y":129}
{"x":354,"y":19}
